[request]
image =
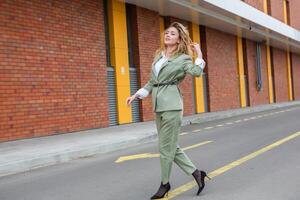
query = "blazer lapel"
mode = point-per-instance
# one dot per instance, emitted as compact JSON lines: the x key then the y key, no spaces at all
{"x":166,"y":63}
{"x":154,"y":62}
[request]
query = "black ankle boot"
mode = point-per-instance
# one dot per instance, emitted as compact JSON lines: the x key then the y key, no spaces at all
{"x":199,"y":177}
{"x":162,"y":190}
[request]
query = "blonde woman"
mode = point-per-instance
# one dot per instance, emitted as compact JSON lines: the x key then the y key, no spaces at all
{"x":171,"y":63}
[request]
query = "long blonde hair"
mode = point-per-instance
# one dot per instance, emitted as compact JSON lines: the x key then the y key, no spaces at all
{"x":184,"y":46}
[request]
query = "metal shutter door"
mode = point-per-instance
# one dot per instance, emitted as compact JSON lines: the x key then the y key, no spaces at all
{"x":133,"y":89}
{"x":113,"y":120}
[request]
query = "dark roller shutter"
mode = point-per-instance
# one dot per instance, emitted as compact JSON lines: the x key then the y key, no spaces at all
{"x":113,"y":120}
{"x":133,"y":89}
{"x":205,"y":91}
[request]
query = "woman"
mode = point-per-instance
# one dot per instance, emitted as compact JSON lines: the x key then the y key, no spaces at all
{"x":171,"y":63}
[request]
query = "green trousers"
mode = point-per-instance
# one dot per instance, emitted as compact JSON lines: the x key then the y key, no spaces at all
{"x":168,"y":127}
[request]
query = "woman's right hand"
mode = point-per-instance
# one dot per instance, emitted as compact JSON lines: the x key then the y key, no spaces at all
{"x":129,"y":100}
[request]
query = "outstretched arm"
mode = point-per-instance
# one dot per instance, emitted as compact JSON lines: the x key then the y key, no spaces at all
{"x":141,"y":93}
{"x":197,"y":68}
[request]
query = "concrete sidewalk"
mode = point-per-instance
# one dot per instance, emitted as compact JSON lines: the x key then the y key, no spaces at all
{"x":23,"y":155}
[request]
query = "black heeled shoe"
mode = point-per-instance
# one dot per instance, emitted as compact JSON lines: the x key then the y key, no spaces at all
{"x":199,"y":177}
{"x":162,"y":191}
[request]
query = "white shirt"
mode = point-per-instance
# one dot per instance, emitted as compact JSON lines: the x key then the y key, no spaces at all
{"x":142,"y":93}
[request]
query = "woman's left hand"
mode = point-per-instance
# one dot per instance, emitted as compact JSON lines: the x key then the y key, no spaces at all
{"x":197,"y":49}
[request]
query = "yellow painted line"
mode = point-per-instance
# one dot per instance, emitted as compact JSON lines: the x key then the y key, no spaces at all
{"x":197,"y":130}
{"x":219,"y":125}
{"x":184,"y":133}
{"x":137,"y":156}
{"x":154,"y":155}
{"x":210,"y":127}
{"x":196,"y":145}
{"x":232,"y":165}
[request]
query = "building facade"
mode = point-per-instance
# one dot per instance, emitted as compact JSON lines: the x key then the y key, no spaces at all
{"x":68,"y":66}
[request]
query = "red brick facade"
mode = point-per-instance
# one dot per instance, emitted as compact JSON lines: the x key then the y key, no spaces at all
{"x":280,"y":75}
{"x":223,"y":82}
{"x":295,"y":14}
{"x":276,"y":8}
{"x":296,"y":75}
{"x":257,"y":97}
{"x":52,"y":68}
{"x":258,"y":4}
{"x":295,"y":22}
{"x":148,"y":41}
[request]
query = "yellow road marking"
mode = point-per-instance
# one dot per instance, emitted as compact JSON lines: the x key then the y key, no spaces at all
{"x":197,"y":130}
{"x":196,"y":145}
{"x":184,"y":133}
{"x":210,"y":127}
{"x":225,"y":168}
{"x":154,"y":155}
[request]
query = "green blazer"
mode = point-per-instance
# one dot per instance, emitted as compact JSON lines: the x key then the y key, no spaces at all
{"x":169,"y":97}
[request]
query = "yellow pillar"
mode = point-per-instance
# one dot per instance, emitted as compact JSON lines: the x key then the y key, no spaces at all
{"x":285,"y":12}
{"x":119,"y":57}
{"x":270,"y":79}
{"x":269,"y":68}
{"x":162,"y":29}
{"x":289,"y":74}
{"x":288,"y":58}
{"x":198,"y":81}
{"x":241,"y":72}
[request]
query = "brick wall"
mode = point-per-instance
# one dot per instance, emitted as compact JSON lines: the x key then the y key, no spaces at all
{"x":147,"y":42}
{"x":222,"y":71}
{"x":296,"y":75}
{"x":257,"y":97}
{"x":276,"y":7}
{"x":294,"y":14}
{"x":52,"y":68}
{"x":295,"y":22}
{"x":258,"y":4}
{"x":280,"y":75}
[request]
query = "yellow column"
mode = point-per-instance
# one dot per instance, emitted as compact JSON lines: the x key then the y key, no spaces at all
{"x":289,"y":74}
{"x":270,"y":79}
{"x":241,"y":72}
{"x":269,"y":69}
{"x":119,"y":57}
{"x":162,"y":29}
{"x":285,"y":12}
{"x":288,"y":58}
{"x":198,"y":81}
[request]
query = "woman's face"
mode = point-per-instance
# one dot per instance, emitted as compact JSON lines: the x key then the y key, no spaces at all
{"x":171,"y":36}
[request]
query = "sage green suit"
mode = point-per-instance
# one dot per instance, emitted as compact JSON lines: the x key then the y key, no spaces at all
{"x":168,"y":104}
